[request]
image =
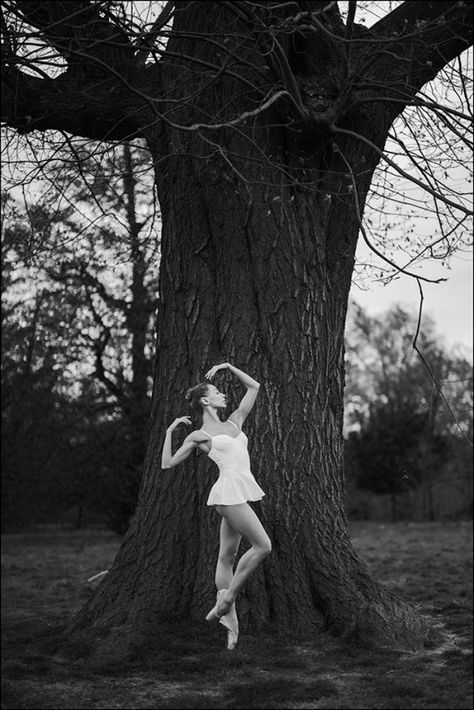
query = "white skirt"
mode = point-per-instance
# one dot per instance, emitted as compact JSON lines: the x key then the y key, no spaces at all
{"x":231,"y":489}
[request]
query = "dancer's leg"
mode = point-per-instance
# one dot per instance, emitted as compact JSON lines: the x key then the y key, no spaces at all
{"x":228,"y":547}
{"x":243,"y":520}
{"x":229,"y":544}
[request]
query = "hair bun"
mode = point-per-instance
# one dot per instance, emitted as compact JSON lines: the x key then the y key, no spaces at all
{"x":194,"y":394}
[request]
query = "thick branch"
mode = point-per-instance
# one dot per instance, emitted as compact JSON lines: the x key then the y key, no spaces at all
{"x":79,"y":32}
{"x":398,"y":55}
{"x":101,"y":94}
{"x":146,"y":40}
{"x":425,"y":36}
{"x":97,"y":111}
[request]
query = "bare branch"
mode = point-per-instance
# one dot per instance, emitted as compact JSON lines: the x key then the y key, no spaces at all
{"x":79,"y":32}
{"x":398,"y":269}
{"x":442,"y":31}
{"x":399,"y":170}
{"x":430,"y":371}
{"x":29,"y":103}
{"x":146,"y":40}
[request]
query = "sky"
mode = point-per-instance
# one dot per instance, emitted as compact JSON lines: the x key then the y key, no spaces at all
{"x":449,"y":303}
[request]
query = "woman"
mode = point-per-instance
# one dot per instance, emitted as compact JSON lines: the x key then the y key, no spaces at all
{"x":226,"y":444}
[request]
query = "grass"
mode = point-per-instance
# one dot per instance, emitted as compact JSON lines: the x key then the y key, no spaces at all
{"x":427,"y":564}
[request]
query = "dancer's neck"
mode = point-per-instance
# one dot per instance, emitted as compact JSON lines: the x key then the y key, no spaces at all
{"x":211,"y":418}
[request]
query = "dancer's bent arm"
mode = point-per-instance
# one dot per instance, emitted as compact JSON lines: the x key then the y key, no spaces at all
{"x":248,"y":400}
{"x":192,"y":441}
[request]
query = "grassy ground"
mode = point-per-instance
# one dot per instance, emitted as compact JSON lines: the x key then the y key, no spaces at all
{"x":427,"y":564}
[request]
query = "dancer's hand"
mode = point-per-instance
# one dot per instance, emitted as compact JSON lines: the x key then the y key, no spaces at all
{"x":216,"y":368}
{"x":178,"y":421}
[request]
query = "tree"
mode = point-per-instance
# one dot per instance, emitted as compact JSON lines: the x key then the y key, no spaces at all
{"x":383,"y":369}
{"x":265,"y":122}
{"x":112,"y":278}
{"x":37,"y":417}
{"x":384,"y":452}
{"x":98,"y":262}
{"x":405,"y":417}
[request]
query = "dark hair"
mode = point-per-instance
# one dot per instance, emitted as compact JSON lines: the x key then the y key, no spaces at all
{"x":194,"y":394}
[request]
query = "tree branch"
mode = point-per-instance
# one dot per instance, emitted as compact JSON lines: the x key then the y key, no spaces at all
{"x":146,"y":40}
{"x":427,"y":35}
{"x":99,"y":345}
{"x":94,"y":97}
{"x":80,"y":273}
{"x":75,"y":26}
{"x":97,"y":112}
{"x":402,"y":172}
{"x":430,"y":371}
{"x":398,"y":269}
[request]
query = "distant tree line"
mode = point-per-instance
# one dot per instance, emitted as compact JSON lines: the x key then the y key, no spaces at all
{"x":409,"y":422}
{"x":79,"y":294}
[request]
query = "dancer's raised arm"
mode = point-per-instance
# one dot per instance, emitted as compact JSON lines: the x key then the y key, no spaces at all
{"x":240,"y":414}
{"x":168,"y":459}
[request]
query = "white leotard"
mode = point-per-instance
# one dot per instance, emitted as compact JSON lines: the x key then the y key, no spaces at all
{"x":236,"y":483}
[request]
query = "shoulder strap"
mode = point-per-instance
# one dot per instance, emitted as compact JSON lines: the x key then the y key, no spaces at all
{"x":205,"y":432}
{"x":236,"y":426}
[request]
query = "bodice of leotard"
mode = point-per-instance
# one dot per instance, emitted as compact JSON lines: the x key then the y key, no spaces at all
{"x":230,"y":453}
{"x":236,"y":483}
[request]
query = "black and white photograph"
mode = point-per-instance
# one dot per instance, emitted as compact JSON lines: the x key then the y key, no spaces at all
{"x":237,"y":354}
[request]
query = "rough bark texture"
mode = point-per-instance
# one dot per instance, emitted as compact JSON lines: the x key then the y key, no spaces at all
{"x":259,"y":236}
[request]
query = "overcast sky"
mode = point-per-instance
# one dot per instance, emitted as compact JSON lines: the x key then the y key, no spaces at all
{"x":448,"y":303}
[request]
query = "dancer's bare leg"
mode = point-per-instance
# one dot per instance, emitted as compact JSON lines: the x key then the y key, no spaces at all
{"x":228,"y":547}
{"x":243,"y":520}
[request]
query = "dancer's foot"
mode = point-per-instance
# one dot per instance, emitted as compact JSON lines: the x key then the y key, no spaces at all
{"x":213,"y":615}
{"x":224,"y":602}
{"x":230,"y":622}
{"x":96,"y":578}
{"x":221,"y":607}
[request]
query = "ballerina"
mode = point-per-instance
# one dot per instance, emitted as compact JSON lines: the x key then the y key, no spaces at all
{"x":226,"y":444}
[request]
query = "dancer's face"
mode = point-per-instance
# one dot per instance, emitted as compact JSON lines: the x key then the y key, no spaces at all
{"x":215,"y":398}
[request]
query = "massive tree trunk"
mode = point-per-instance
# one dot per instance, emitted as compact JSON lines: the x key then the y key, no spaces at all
{"x":260,"y":225}
{"x":261,"y":281}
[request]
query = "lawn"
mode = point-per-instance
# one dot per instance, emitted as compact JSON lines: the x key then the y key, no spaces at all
{"x":428,"y":564}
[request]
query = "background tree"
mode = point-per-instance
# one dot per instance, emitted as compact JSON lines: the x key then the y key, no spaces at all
{"x":36,"y":415}
{"x":265,"y":123}
{"x":113,"y":276}
{"x":406,"y":418}
{"x":383,"y":456}
{"x":98,"y":264}
{"x":383,"y":368}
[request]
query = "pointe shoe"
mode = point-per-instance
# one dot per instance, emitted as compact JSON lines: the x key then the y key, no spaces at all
{"x":96,"y":578}
{"x":230,"y":622}
{"x":214,"y":613}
